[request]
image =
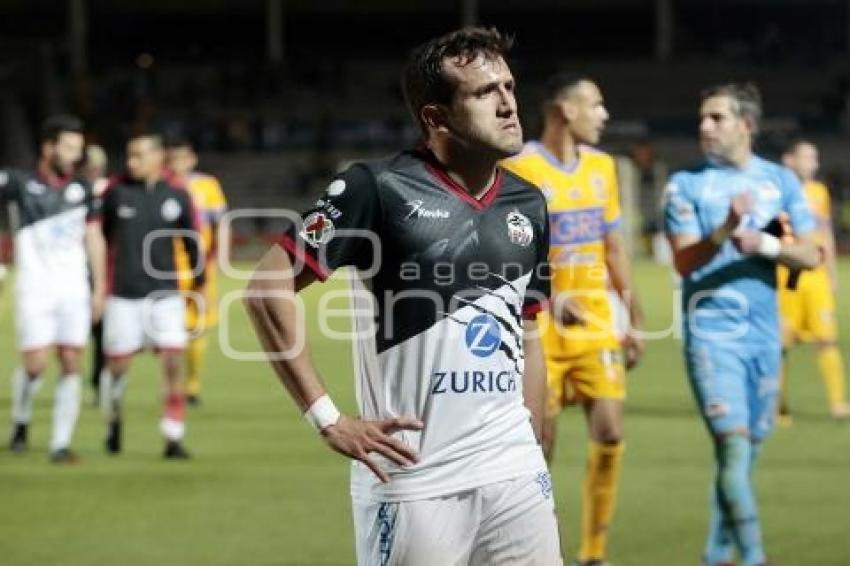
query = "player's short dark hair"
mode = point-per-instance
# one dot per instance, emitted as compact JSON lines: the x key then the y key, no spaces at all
{"x":795,"y":144}
{"x":745,"y":97}
{"x":54,"y":126}
{"x":560,"y":84}
{"x":423,"y":80}
{"x":155,"y":137}
{"x":179,"y":142}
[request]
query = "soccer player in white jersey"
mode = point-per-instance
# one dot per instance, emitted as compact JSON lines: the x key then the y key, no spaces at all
{"x":452,"y":257}
{"x":54,"y":305}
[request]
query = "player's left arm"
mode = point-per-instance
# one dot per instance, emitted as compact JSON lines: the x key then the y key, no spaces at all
{"x":801,"y":253}
{"x":534,"y":376}
{"x":620,"y":271}
{"x":95,"y":244}
{"x":192,"y":240}
{"x":620,"y":275}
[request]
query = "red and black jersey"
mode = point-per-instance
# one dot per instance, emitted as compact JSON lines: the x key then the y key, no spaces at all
{"x":50,"y":215}
{"x":443,"y":284}
{"x":140,"y":224}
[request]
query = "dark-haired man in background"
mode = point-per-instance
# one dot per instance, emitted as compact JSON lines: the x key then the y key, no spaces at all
{"x":585,"y":360}
{"x":142,"y":213}
{"x":446,"y":469}
{"x":54,"y":244}
{"x":718,"y":217}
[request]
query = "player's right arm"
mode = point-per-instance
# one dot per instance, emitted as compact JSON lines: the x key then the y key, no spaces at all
{"x":691,"y":249}
{"x":7,"y":187}
{"x":272,"y":306}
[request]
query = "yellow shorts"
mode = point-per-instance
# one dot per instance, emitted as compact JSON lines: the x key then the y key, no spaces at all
{"x":808,"y":313}
{"x":597,"y":374}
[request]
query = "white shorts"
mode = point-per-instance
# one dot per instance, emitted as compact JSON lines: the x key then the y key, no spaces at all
{"x":506,"y":523}
{"x":130,"y":325}
{"x":44,"y":319}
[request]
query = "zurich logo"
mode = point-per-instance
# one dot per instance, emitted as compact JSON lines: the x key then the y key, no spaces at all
{"x":483,"y":335}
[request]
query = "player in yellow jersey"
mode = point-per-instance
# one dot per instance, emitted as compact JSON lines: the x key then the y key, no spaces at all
{"x":210,"y":205}
{"x":808,"y":312}
{"x":586,"y":361}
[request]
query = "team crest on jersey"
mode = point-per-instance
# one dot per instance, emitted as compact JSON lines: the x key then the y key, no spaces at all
{"x":318,"y":229}
{"x":769,"y":191}
{"x":171,"y":210}
{"x":520,"y":231}
{"x":35,"y":188}
{"x":599,"y":188}
{"x":75,"y":193}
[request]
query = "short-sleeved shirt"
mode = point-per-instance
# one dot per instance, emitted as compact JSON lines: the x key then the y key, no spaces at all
{"x":439,"y":312}
{"x":584,"y":205}
{"x":50,"y":216}
{"x":140,"y":224}
{"x":732,"y":298}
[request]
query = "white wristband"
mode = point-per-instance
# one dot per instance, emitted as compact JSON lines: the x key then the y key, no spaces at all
{"x":322,"y":413}
{"x":769,"y":246}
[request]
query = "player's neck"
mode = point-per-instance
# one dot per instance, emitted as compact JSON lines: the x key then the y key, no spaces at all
{"x":475,"y":173}
{"x":561,"y":144}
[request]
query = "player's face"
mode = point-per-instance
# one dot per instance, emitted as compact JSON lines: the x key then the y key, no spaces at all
{"x":181,"y":160}
{"x":66,"y":152}
{"x":145,"y":158}
{"x":804,"y":161}
{"x":722,"y":133}
{"x":483,"y":112}
{"x":586,"y":112}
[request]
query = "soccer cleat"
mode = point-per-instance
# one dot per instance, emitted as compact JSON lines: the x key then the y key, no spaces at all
{"x":64,"y":456}
{"x":193,"y":400}
{"x":840,"y":412}
{"x":113,"y":437}
{"x":18,"y":442}
{"x":593,"y":562}
{"x":175,"y":451}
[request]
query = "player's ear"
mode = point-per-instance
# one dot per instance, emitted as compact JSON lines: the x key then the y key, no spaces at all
{"x":434,"y":117}
{"x":569,"y":111}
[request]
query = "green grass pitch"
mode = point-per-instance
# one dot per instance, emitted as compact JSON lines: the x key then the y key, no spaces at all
{"x":263,"y":489}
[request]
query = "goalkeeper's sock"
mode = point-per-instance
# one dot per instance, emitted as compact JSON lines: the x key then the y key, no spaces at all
{"x":736,"y":460}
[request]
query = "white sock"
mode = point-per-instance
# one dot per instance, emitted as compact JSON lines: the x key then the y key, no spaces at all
{"x":112,"y":390}
{"x":66,"y":409}
{"x":172,"y":429}
{"x":24,"y":389}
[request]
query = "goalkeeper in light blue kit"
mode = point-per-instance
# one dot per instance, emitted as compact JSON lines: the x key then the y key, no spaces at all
{"x":721,"y":219}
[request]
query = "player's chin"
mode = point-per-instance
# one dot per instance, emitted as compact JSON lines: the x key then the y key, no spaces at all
{"x":510,"y":144}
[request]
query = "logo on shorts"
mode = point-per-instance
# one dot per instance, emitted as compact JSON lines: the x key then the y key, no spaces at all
{"x":519,"y":229}
{"x":171,"y":210}
{"x":544,"y":480}
{"x":318,"y":229}
{"x":483,"y":335}
{"x":74,"y":193}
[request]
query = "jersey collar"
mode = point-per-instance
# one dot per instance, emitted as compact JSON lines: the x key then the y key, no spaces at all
{"x":554,"y":161}
{"x":441,"y":174}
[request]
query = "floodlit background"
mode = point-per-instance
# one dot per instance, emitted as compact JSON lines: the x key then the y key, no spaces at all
{"x":278,"y":95}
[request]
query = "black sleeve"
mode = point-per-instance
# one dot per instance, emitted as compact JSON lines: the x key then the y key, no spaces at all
{"x":539,"y":287}
{"x":340,"y":229}
{"x":9,"y":183}
{"x":93,"y":203}
{"x":188,"y":220}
